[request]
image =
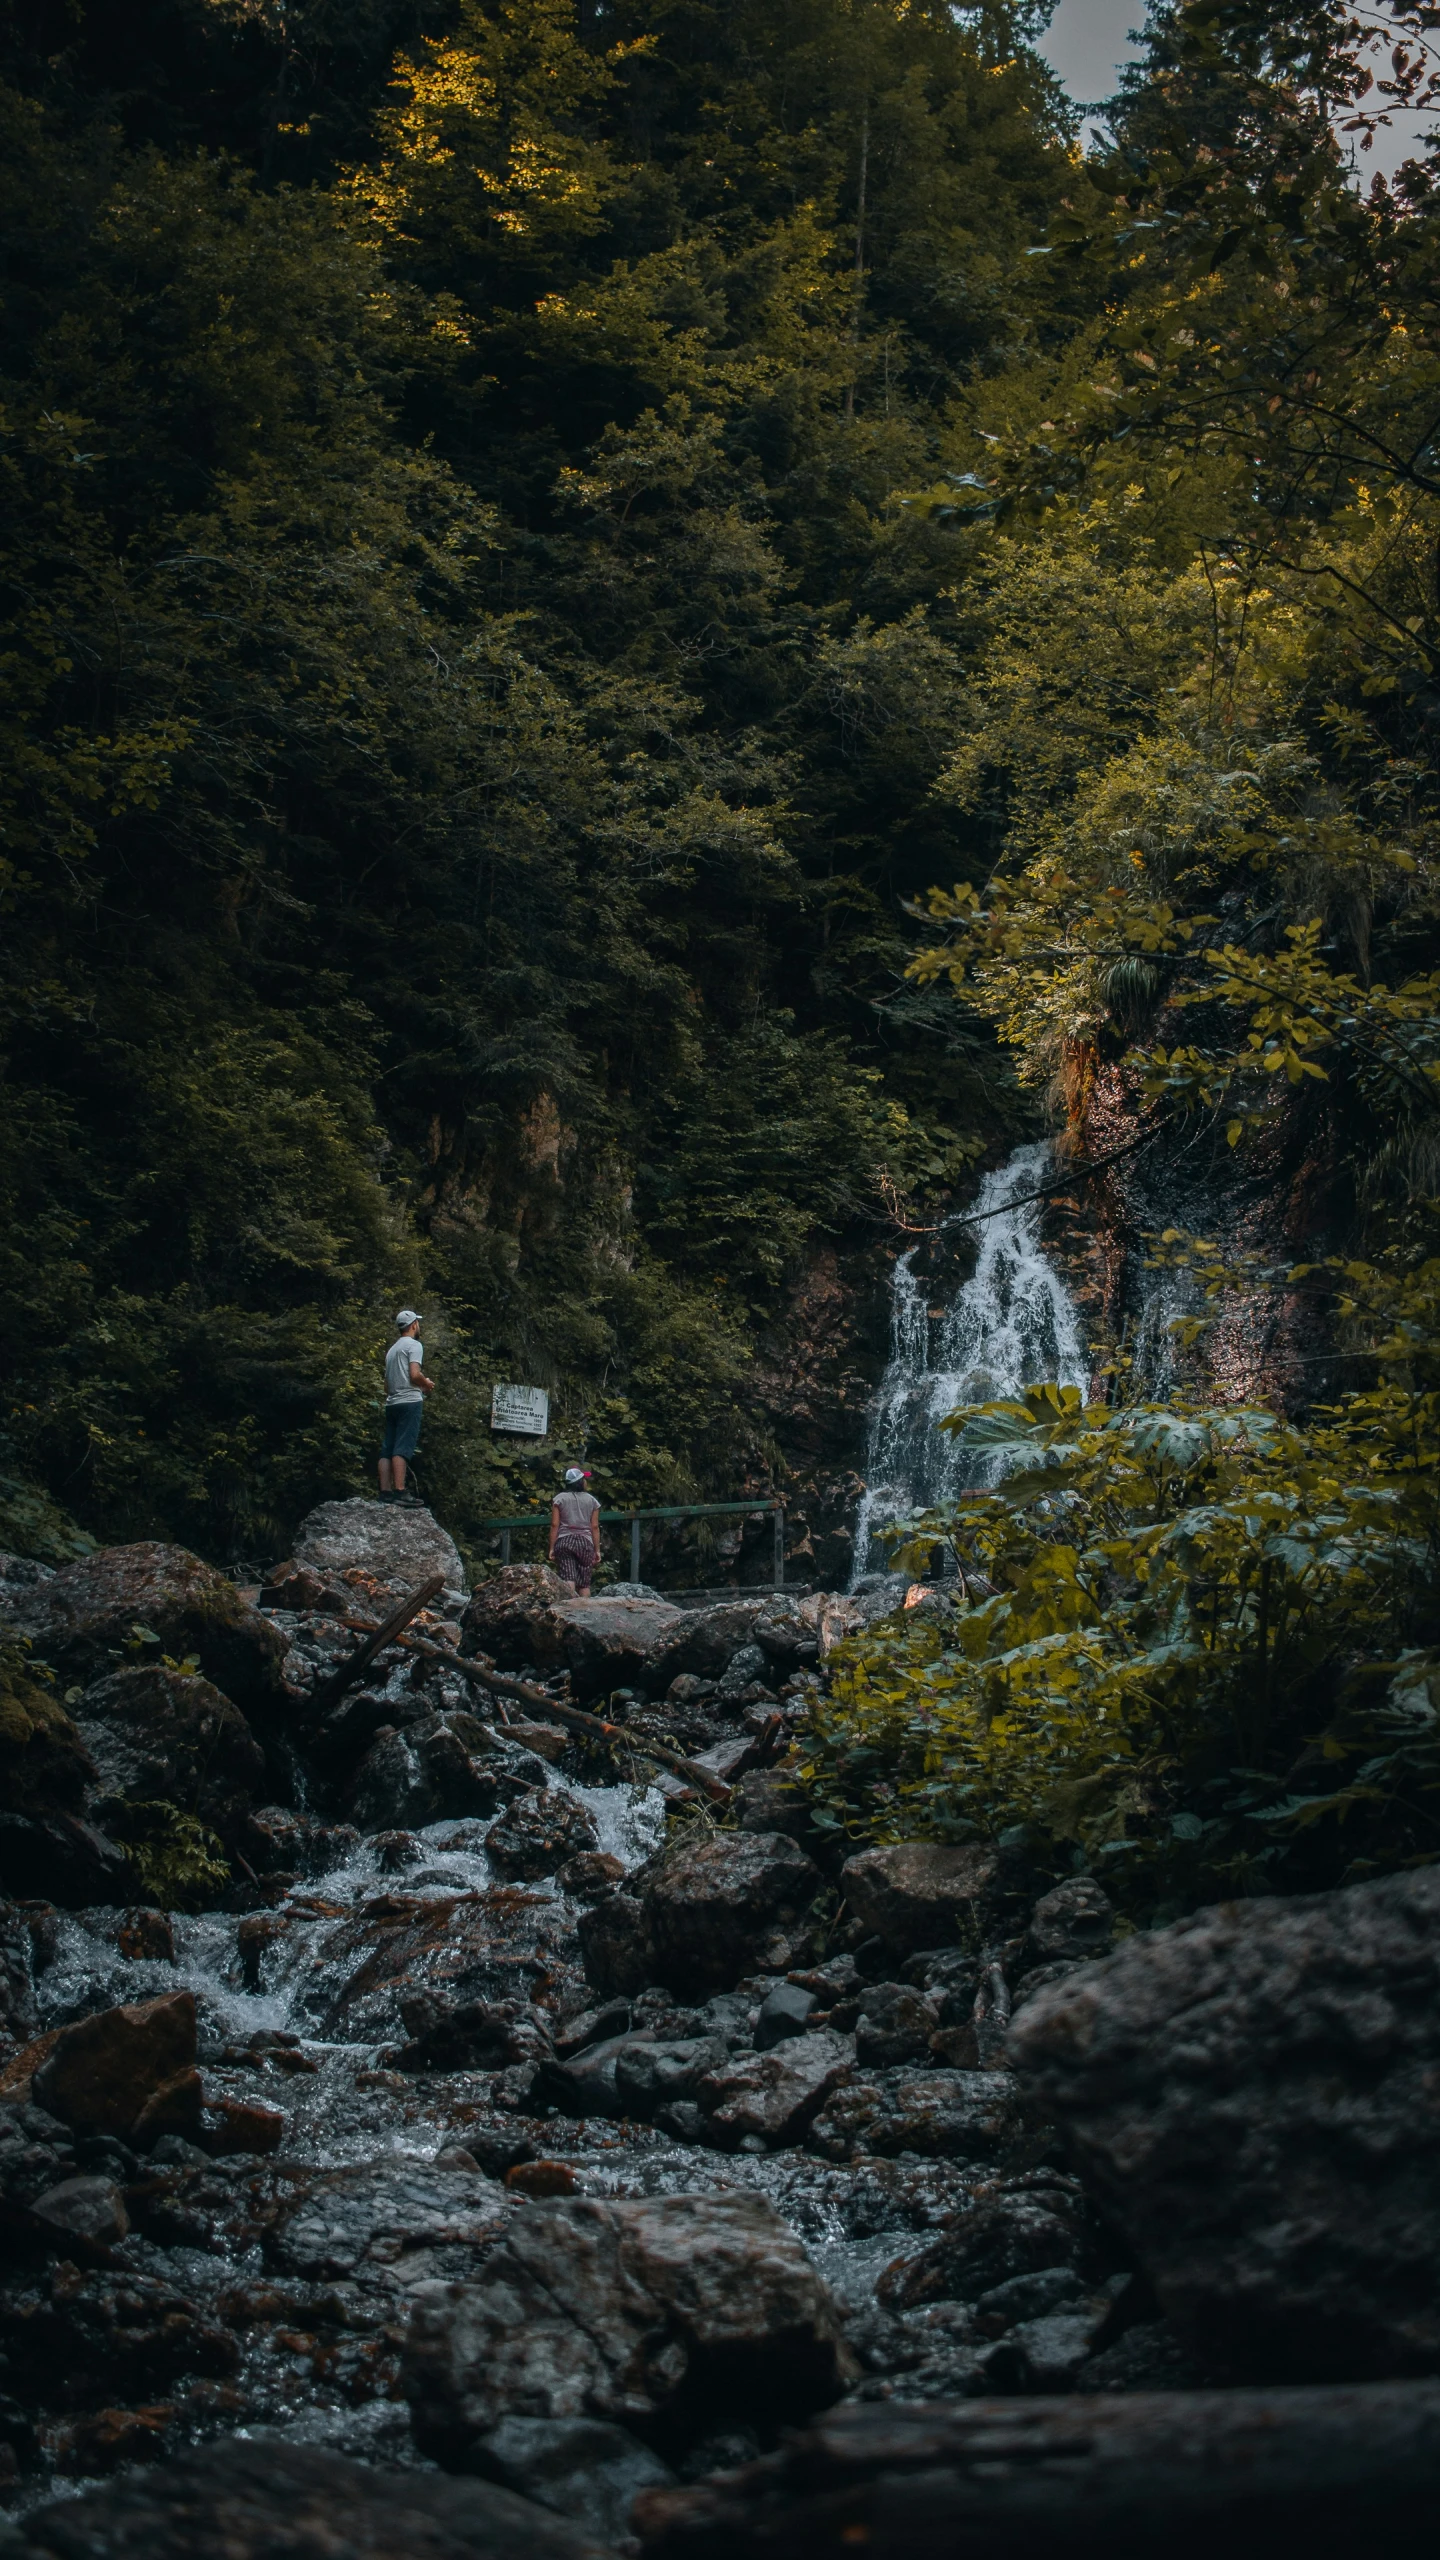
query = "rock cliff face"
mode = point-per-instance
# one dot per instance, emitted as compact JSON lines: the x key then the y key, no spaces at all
{"x":518,"y":2105}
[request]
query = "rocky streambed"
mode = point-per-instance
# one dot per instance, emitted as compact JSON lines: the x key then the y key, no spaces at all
{"x":611,"y":2160}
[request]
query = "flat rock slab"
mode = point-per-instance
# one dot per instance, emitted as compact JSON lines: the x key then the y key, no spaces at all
{"x":394,"y":1548}
{"x":1184,"y":2473}
{"x":99,"y":2075}
{"x":255,"y":2499}
{"x":772,"y":2097}
{"x":1254,"y":2097}
{"x":938,"y":2115}
{"x":377,"y":2217}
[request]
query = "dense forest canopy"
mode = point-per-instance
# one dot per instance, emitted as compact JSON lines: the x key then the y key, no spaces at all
{"x":476,"y":693}
{"x":535,"y":534}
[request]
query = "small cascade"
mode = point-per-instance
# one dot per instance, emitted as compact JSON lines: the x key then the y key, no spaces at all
{"x":1010,"y":1325}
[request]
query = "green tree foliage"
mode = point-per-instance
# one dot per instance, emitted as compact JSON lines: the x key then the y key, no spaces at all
{"x":473,"y":694}
{"x":1198,"y":744}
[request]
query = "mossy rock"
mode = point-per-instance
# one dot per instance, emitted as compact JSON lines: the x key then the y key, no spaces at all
{"x":138,"y":1604}
{"x":44,"y":1766}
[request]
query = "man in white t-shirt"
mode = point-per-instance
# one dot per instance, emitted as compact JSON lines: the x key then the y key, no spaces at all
{"x":406,"y":1388}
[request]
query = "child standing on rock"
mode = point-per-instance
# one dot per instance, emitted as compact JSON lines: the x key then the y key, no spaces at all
{"x":575,"y":1533}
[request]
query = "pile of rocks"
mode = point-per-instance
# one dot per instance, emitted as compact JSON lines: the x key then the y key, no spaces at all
{"x":543,"y":2175}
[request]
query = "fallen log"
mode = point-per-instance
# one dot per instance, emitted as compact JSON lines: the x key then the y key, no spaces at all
{"x":594,"y":1728}
{"x":1329,"y":2469}
{"x":376,"y":1639}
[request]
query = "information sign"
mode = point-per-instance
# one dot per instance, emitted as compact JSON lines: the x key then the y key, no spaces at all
{"x":520,"y":1409}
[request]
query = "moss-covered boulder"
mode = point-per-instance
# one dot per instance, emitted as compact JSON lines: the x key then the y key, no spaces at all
{"x":44,"y":1766}
{"x":156,"y":1733}
{"x":134,"y":1604}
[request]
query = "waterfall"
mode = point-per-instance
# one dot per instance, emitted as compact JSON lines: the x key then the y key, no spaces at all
{"x":1011,"y":1324}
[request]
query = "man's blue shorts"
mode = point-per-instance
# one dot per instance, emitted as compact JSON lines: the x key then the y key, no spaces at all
{"x":402,"y":1430}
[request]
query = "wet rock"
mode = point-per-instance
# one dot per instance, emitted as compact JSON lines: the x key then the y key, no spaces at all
{"x":786,"y":2011}
{"x":920,"y":1893}
{"x":65,"y":1860}
{"x":432,"y":1770}
{"x":470,"y":2035}
{"x":1073,"y":1923}
{"x":75,"y":2339}
{"x":1228,"y":2085}
{"x":609,"y":1644}
{"x":703,"y":1643}
{"x":276,"y":1841}
{"x":82,"y":1621}
{"x":512,"y":1618}
{"x":142,"y":1935}
{"x":396,"y":1550}
{"x":895,"y":2024}
{"x":1150,"y":2357}
{"x":539,"y":1833}
{"x":767,"y":2100}
{"x":156,"y":1733}
{"x":19,"y":2017}
{"x":616,"y":1945}
{"x":385,"y":2216}
{"x":586,"y":1877}
{"x":98,"y":2075}
{"x":44,"y":1766}
{"x":939,"y":2115}
{"x":629,"y":2075}
{"x":1049,"y":2353}
{"x":175,"y":2107}
{"x":503,"y":1945}
{"x":1184,"y":2473}
{"x":1027,"y":2227}
{"x":729,"y":1905}
{"x":84,"y":2208}
{"x":36,"y":2151}
{"x":664,"y":2315}
{"x":578,"y":2467}
{"x":1029,"y":2297}
{"x":253,"y":2498}
{"x":229,"y":2125}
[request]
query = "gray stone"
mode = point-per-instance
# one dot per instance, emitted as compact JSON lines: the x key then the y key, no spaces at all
{"x":784,"y":2012}
{"x":629,"y":2075}
{"x":378,"y":1541}
{"x":1254,"y":2095}
{"x":1071,"y":1923}
{"x":84,"y":2208}
{"x":895,"y":2024}
{"x":383,"y":2215}
{"x":1014,"y":2233}
{"x":728,"y":1905}
{"x":920,"y":1893}
{"x":539,"y":1832}
{"x":615,"y":1945}
{"x":253,"y":2497}
{"x":439,"y":1767}
{"x":941,"y":2115}
{"x":581,"y":2467}
{"x":513,"y":1617}
{"x":769,"y":2099}
{"x":157,"y":1733}
{"x":704,"y":1643}
{"x":643,"y":2313}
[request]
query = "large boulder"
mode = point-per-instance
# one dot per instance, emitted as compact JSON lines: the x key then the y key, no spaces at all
{"x":933,"y":2115}
{"x":539,"y":1832}
{"x":101,"y":2075}
{"x":514,"y":1618}
{"x":921,"y":1893}
{"x":616,"y":1644}
{"x":1254,"y":2097}
{"x":157,"y":1733}
{"x":84,"y":1620}
{"x":666,"y":2316}
{"x":253,"y":2498}
{"x":727,"y":1905}
{"x":705,"y":1641}
{"x":435,"y":1770}
{"x":375,"y":1547}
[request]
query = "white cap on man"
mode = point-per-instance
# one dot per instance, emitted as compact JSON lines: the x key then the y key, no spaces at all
{"x":408,"y":1315}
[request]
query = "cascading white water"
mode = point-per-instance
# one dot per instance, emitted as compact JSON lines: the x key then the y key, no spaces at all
{"x":1012,"y":1324}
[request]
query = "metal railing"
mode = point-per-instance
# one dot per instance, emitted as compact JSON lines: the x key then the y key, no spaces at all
{"x":662,"y":1511}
